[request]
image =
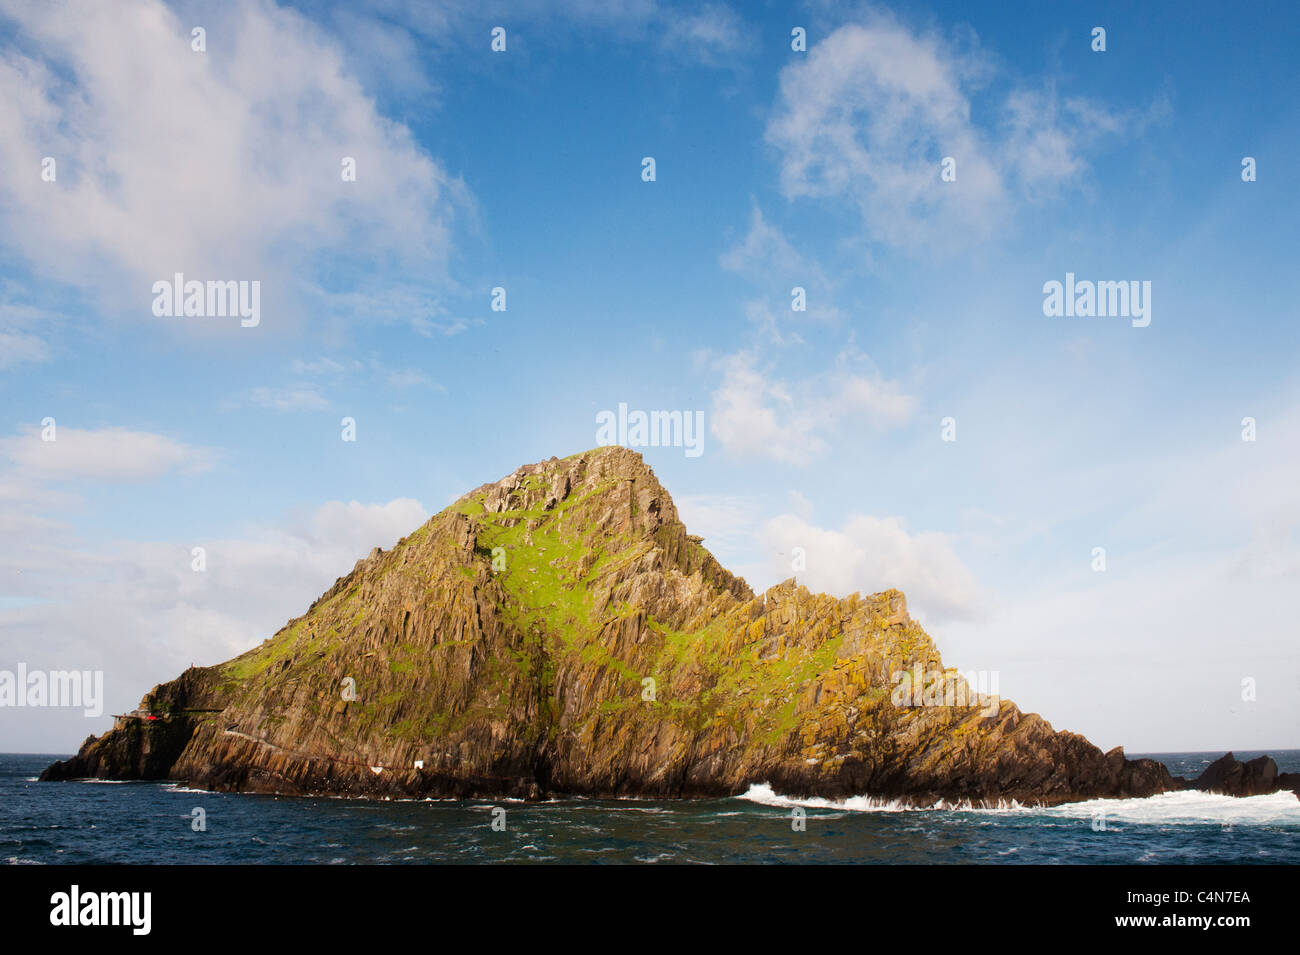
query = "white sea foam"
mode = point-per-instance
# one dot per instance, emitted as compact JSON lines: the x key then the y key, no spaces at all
{"x":1191,"y":808}
{"x":764,"y":794}
{"x":1178,"y":808}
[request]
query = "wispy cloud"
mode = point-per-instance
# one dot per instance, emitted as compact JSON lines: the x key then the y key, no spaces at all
{"x":870,"y":112}
{"x":322,"y":366}
{"x":767,"y":258}
{"x":755,"y":414}
{"x":106,"y":454}
{"x":713,"y":35}
{"x":289,"y":398}
{"x":446,"y":328}
{"x":409,"y":378}
{"x":26,"y":328}
{"x":17,"y":347}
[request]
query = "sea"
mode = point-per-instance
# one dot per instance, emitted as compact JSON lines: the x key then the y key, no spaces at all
{"x":96,"y":822}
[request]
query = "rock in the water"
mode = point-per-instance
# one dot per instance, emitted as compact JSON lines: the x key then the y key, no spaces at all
{"x":560,"y":632}
{"x":1230,"y":776}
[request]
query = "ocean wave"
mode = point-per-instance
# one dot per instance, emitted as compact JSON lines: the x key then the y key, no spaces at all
{"x":1190,"y":808}
{"x":764,"y":795}
{"x":1178,"y":808}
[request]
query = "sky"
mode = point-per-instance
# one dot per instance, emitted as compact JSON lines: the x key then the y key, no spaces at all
{"x":502,"y":268}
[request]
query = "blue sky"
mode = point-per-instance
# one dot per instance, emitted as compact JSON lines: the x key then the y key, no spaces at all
{"x":774,"y":168}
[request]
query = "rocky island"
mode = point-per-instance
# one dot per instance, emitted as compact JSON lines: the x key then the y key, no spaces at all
{"x":558,"y":633}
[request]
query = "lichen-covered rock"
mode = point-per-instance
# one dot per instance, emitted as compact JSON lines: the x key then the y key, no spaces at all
{"x":559,"y":632}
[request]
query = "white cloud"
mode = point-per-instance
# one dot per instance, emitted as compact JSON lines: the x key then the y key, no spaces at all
{"x":18,"y":343}
{"x":17,"y":347}
{"x":452,"y":326}
{"x":307,"y":396}
{"x":409,"y":378}
{"x":872,"y":554}
{"x":320,"y":366}
{"x":868,"y":114}
{"x":288,"y":398}
{"x":1151,"y":653}
{"x":423,"y":309}
{"x":755,"y":414}
{"x":224,"y":164}
{"x":138,"y":611}
{"x":770,"y":327}
{"x":338,"y":529}
{"x":712,"y":35}
{"x":107,"y":454}
{"x":709,"y":35}
{"x":879,"y":400}
{"x":867,"y":555}
{"x":769,"y":260}
{"x":1202,"y":538}
{"x":764,"y":247}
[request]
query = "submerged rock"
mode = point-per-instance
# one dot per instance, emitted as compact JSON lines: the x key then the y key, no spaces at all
{"x":560,"y":632}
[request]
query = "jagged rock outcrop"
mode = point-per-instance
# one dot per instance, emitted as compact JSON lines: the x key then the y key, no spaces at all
{"x":559,"y":632}
{"x":1231,"y":777}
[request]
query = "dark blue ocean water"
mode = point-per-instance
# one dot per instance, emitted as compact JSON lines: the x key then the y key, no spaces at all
{"x":89,"y":822}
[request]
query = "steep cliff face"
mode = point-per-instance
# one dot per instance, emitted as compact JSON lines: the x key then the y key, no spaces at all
{"x":560,"y":632}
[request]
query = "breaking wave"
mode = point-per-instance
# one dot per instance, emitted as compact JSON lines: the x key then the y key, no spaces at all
{"x":1178,"y":808}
